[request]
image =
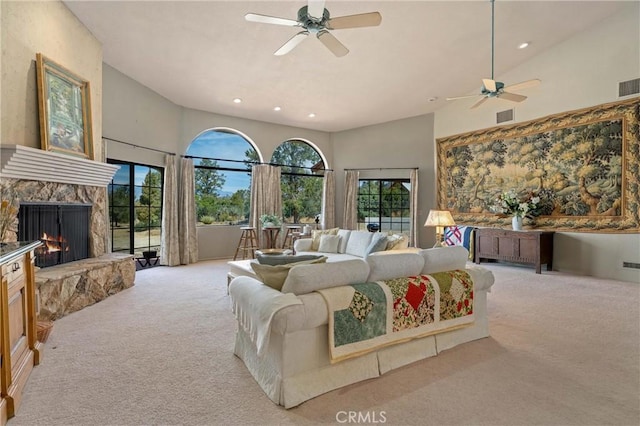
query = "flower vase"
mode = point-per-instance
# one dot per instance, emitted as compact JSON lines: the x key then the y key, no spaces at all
{"x":516,"y":223}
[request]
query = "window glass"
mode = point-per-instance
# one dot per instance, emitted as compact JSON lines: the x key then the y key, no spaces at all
{"x":222,"y":162}
{"x":135,"y":208}
{"x":302,"y":170}
{"x":385,"y":203}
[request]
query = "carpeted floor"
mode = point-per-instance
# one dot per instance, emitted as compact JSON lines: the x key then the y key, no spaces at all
{"x":564,"y":350}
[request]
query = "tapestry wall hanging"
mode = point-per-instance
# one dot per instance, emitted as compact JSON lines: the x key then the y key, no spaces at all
{"x":583,"y":165}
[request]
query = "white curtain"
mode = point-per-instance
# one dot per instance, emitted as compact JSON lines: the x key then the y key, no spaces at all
{"x":169,"y":243}
{"x":350,"y":220}
{"x":266,"y":195}
{"x":413,"y":209}
{"x":187,"y":224}
{"x":329,"y":200}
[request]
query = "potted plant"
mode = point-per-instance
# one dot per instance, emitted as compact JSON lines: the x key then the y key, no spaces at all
{"x":270,"y":220}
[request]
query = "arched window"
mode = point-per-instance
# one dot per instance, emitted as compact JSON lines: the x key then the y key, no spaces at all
{"x":302,"y":170}
{"x":222,"y":160}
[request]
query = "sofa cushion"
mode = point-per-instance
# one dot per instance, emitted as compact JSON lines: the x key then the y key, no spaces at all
{"x":378,"y":243}
{"x":282,"y":260}
{"x":344,"y":239}
{"x":304,"y":279}
{"x":358,"y":243}
{"x":329,"y":243}
{"x":275,"y":275}
{"x":394,"y":265}
{"x":442,"y":259}
{"x":315,"y":236}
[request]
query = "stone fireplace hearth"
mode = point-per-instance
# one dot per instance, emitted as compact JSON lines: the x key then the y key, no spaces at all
{"x":33,"y":175}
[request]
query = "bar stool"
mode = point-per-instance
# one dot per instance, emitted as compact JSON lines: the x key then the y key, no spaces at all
{"x":248,"y":242}
{"x":287,"y":242}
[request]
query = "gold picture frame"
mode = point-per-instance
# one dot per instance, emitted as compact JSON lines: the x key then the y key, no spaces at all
{"x":64,"y":105}
{"x":586,"y":161}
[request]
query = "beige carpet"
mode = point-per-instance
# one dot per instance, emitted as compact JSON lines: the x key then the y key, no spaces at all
{"x":564,"y":350}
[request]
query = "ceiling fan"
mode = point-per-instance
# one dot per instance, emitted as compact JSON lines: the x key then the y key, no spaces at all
{"x":315,"y":19}
{"x":497,"y":89}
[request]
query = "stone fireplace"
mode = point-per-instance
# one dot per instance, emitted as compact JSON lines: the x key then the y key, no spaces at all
{"x":32,"y":176}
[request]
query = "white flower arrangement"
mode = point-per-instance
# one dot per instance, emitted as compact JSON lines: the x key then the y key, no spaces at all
{"x":509,"y":203}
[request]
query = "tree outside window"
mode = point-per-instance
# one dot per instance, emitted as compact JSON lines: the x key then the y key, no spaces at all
{"x":302,"y":170}
{"x":386,"y":203}
{"x":135,"y":208}
{"x":222,"y":163}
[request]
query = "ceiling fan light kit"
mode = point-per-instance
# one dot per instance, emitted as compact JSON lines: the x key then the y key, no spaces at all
{"x":497,"y":89}
{"x":315,"y":19}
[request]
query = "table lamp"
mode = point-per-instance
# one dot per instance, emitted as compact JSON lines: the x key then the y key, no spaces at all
{"x":439,"y":219}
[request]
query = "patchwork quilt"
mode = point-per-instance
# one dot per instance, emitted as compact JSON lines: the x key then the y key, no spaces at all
{"x":461,"y":236}
{"x":367,"y":316}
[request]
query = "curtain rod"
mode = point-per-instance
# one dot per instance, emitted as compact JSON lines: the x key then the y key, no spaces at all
{"x":139,"y":146}
{"x":385,"y":168}
{"x":251,"y":162}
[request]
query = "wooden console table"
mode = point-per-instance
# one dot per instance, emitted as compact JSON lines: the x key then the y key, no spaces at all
{"x":19,"y":347}
{"x":528,"y":247}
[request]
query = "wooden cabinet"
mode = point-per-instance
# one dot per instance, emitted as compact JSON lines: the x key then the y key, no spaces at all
{"x":528,"y":247}
{"x":19,"y":348}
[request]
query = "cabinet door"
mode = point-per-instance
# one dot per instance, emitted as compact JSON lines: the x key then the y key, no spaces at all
{"x":17,"y":314}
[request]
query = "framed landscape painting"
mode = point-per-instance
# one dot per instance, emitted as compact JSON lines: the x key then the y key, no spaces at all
{"x":65,"y":109}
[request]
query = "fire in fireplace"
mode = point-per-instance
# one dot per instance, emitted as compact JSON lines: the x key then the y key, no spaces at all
{"x":63,"y":229}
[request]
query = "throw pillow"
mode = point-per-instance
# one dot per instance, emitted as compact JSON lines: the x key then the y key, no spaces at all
{"x":274,"y":275}
{"x":397,"y":242}
{"x":358,"y":243}
{"x":329,"y":243}
{"x":283,"y":260}
{"x":315,"y":237}
{"x":378,"y":243}
{"x":344,"y":238}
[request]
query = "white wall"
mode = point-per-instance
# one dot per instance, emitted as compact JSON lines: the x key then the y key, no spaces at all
{"x":581,"y":72}
{"x":404,"y":143}
{"x":51,"y":29}
{"x":135,"y":114}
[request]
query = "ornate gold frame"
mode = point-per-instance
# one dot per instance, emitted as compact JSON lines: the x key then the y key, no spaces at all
{"x":622,"y":217}
{"x":64,"y":103}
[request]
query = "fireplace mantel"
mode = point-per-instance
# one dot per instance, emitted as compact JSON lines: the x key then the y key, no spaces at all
{"x":22,"y":162}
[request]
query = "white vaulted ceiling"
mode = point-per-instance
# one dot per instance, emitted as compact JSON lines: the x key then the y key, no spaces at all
{"x":203,"y":54}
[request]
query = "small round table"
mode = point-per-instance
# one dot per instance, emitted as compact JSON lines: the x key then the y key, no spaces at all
{"x":271,"y":236}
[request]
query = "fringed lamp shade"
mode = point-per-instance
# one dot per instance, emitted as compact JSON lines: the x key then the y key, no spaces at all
{"x":439,"y":219}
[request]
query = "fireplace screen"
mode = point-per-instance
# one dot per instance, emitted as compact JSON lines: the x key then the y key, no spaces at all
{"x":63,"y":229}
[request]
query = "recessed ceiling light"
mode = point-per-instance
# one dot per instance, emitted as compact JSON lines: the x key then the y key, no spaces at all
{"x":277,"y":108}
{"x":523,"y":45}
{"x":311,"y":115}
{"x":237,"y":101}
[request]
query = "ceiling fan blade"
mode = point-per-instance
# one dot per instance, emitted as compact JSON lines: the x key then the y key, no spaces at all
{"x":455,"y":98}
{"x":265,"y":19}
{"x":371,"y":19}
{"x":316,"y":8}
{"x":489,"y":85}
{"x":523,"y":85}
{"x":512,"y":97}
{"x":480,"y":102}
{"x":293,"y":42}
{"x":332,"y":43}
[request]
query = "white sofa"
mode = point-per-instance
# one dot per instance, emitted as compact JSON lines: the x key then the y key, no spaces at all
{"x":282,"y":336}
